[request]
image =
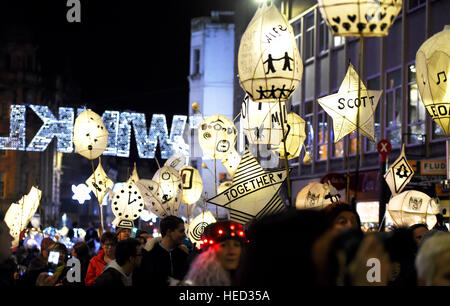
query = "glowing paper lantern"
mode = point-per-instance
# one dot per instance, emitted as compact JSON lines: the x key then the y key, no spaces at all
{"x":198,"y":225}
{"x":151,"y":192}
{"x":217,"y":136}
{"x":262,"y":122}
{"x":254,"y":192}
{"x":19,"y":214}
{"x":99,"y":183}
{"x":81,"y":193}
{"x":399,"y":174}
{"x":269,"y":64}
{"x":316,"y":195}
{"x":367,"y":18}
{"x":223,"y":186}
{"x":295,"y":136}
{"x":192,"y":185}
{"x":90,"y":136}
{"x":343,"y":107}
{"x":127,"y":205}
{"x":432,"y":70}
{"x":231,"y":161}
{"x":412,"y":207}
{"x":170,"y":189}
{"x":176,"y":161}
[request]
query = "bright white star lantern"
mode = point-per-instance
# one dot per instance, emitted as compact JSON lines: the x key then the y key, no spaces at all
{"x":343,"y":107}
{"x":269,"y":63}
{"x":432,"y":73}
{"x":367,"y":18}
{"x":81,"y":193}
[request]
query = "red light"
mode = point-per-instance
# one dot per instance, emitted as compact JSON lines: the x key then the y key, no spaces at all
{"x":241,"y":233}
{"x":211,"y":242}
{"x":232,"y":227}
{"x":233,"y":234}
{"x":220,"y":232}
{"x":206,"y":240}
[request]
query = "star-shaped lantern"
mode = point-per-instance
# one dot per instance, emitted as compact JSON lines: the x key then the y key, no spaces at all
{"x":81,"y":193}
{"x":343,"y":107}
{"x":399,"y":174}
{"x":99,"y":183}
{"x":254,"y":192}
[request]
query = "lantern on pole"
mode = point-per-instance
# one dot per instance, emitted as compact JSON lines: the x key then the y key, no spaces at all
{"x":99,"y":183}
{"x":317,"y":196}
{"x":198,"y":225}
{"x":170,"y":189}
{"x":399,"y":173}
{"x":269,"y":63}
{"x":413,"y":207}
{"x":262,"y":121}
{"x":127,"y":205}
{"x":231,"y":161}
{"x":192,"y":185}
{"x":295,"y":136}
{"x":432,"y":70}
{"x":217,"y":136}
{"x":366,"y":18}
{"x":151,"y":191}
{"x":90,"y":136}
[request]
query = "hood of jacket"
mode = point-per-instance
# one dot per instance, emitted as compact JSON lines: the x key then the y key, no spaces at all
{"x":127,"y":279}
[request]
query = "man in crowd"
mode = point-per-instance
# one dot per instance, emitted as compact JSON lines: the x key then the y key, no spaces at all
{"x":166,"y":256}
{"x":105,"y":255}
{"x":123,"y":233}
{"x":119,"y":272}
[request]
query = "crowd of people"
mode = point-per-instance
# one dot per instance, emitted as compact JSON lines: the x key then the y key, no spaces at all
{"x":323,"y":248}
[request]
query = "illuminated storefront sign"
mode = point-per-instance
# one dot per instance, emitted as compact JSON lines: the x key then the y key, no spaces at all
{"x":118,"y":124}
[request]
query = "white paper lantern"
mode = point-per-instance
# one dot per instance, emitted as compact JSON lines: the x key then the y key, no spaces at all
{"x":413,"y":207}
{"x":367,"y":18}
{"x":262,"y":122}
{"x":99,"y":183}
{"x":316,"y":195}
{"x":231,"y":161}
{"x":192,"y":185}
{"x":90,"y":136}
{"x":295,"y":137}
{"x":198,"y":225}
{"x":19,"y":214}
{"x":151,"y":192}
{"x":176,"y":161}
{"x":269,"y":64}
{"x":432,"y":70}
{"x":399,"y":173}
{"x":217,"y":136}
{"x":170,"y":189}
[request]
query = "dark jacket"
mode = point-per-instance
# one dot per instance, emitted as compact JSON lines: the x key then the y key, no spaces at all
{"x":158,"y":264}
{"x":109,"y":278}
{"x":7,"y":269}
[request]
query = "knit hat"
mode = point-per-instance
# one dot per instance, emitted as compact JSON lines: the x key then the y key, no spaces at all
{"x":221,"y":231}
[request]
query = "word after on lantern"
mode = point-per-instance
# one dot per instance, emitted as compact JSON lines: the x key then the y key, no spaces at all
{"x":117,"y":123}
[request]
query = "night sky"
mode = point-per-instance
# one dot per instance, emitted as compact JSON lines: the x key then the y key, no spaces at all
{"x":123,"y":55}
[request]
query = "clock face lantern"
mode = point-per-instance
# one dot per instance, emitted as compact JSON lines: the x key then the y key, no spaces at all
{"x":127,"y":205}
{"x":269,"y":63}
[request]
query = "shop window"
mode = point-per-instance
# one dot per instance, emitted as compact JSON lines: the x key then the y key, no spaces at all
{"x":394,"y":107}
{"x":324,"y":34}
{"x":297,"y":27}
{"x":308,"y":114}
{"x":196,"y":62}
{"x":416,"y":110}
{"x":338,"y":147}
{"x":322,"y":135}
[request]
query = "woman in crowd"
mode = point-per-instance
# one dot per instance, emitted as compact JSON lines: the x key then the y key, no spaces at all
{"x":216,"y":266}
{"x":81,"y":251}
{"x":104,"y":256}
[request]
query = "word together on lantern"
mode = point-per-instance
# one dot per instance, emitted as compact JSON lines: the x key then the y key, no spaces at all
{"x":246,"y":187}
{"x":351,"y":103}
{"x":118,"y":124}
{"x":439,"y":110}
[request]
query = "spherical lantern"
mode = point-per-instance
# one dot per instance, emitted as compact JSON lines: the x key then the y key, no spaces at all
{"x":413,"y":207}
{"x":151,"y":192}
{"x":90,"y":136}
{"x":217,"y":136}
{"x":170,"y":189}
{"x":367,"y":18}
{"x":295,"y":136}
{"x":432,"y":70}
{"x":315,"y":195}
{"x":269,"y":64}
{"x":192,"y":185}
{"x":262,"y":122}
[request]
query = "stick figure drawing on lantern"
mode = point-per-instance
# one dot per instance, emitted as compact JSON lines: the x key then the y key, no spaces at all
{"x":287,"y":61}
{"x":270,"y":67}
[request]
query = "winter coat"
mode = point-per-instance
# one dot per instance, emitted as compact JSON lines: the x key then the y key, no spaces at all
{"x":96,"y":266}
{"x":7,"y":269}
{"x":159,"y":264}
{"x":113,"y":276}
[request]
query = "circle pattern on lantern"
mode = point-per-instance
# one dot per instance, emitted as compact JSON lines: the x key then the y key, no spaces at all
{"x":217,"y":136}
{"x":269,"y":63}
{"x":354,"y":18}
{"x":170,"y":187}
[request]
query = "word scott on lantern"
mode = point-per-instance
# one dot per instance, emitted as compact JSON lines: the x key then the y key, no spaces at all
{"x":351,"y":103}
{"x":117,"y":123}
